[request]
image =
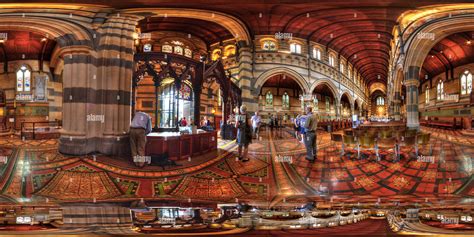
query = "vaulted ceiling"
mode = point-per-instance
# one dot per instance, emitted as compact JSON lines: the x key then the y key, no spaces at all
{"x":359,"y":30}
{"x":25,"y":45}
{"x":207,"y":31}
{"x":451,"y":52}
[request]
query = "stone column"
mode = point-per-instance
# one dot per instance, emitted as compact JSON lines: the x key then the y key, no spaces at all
{"x":352,"y":109}
{"x":114,"y":82}
{"x":390,"y":107}
{"x":337,"y":108}
{"x":412,"y":82}
{"x":246,"y":77}
{"x":396,"y":106}
{"x":77,"y":74}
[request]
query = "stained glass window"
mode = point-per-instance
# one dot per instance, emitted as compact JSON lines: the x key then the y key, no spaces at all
{"x":317,"y":53}
{"x":147,"y":48}
{"x":23,"y":79}
{"x":427,"y":95}
{"x":167,"y":48}
{"x":185,"y":92}
{"x":188,"y":53}
{"x":216,"y":54}
{"x":331,"y":61}
{"x":269,"y":45}
{"x":285,"y":100}
{"x":178,"y":50}
{"x":295,"y":48}
{"x":229,"y":51}
{"x":440,"y":90}
{"x":466,"y":83}
{"x":380,"y":101}
{"x":269,"y":99}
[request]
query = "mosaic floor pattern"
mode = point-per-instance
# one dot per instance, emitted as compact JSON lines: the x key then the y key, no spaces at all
{"x":277,"y":172}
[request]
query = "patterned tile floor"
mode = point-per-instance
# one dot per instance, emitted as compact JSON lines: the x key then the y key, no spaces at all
{"x":277,"y":173}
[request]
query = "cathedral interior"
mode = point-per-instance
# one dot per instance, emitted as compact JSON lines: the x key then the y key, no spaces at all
{"x":233,"y":92}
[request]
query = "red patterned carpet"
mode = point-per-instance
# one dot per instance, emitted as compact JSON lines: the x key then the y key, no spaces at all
{"x":364,"y":228}
{"x":277,"y":172}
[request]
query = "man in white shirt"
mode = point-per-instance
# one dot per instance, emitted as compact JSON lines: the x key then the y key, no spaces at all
{"x":256,"y":119}
{"x":139,"y":128}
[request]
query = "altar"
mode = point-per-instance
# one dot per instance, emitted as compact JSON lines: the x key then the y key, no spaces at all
{"x":181,"y":146}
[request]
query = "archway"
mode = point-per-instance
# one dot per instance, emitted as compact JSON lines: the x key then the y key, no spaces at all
{"x":35,"y":91}
{"x":33,"y":56}
{"x":378,"y":107}
{"x":231,"y":23}
{"x":280,"y":96}
{"x":418,"y":48}
{"x":346,"y":106}
{"x":82,"y":60}
{"x":329,"y":85}
{"x":445,"y":82}
{"x":281,"y":71}
{"x":326,"y":101}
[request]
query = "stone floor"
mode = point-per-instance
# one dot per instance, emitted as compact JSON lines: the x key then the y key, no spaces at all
{"x":277,"y":173}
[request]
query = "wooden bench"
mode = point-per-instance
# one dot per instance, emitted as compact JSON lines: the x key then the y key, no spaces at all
{"x":443,"y":122}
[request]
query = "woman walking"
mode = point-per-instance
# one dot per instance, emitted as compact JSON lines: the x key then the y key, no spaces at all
{"x":244,"y":133}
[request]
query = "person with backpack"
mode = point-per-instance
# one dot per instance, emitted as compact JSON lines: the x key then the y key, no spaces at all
{"x":302,"y":130}
{"x":244,"y":133}
{"x":296,"y":125}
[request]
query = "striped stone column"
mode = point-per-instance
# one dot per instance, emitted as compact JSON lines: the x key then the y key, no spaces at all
{"x":338,"y":109}
{"x":412,"y":82}
{"x":114,"y":74}
{"x":249,"y":94}
{"x":396,"y":106}
{"x":97,"y":91}
{"x":77,"y":73}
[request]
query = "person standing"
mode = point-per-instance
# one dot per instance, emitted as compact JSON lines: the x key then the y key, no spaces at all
{"x":184,"y":123}
{"x":277,"y":126}
{"x":296,"y":125}
{"x":301,"y":127}
{"x":310,"y":125}
{"x":203,"y":122}
{"x":244,"y":133}
{"x":139,"y":128}
{"x":256,"y":119}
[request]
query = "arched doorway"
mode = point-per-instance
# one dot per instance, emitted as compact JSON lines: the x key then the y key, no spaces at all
{"x":326,"y":101}
{"x":346,"y":105}
{"x":279,"y":96}
{"x":378,"y":107}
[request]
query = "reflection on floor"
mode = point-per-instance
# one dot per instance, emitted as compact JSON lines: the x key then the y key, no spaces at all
{"x":33,"y":173}
{"x":277,"y":173}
